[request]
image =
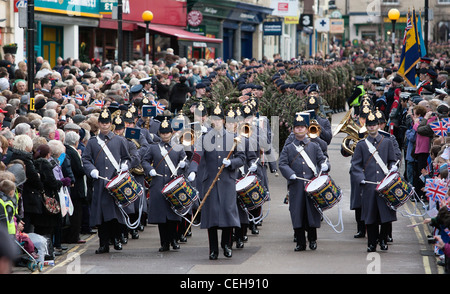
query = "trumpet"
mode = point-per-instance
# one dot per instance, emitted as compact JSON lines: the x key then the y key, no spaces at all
{"x":314,"y":129}
{"x":187,"y":137}
{"x":245,"y":130}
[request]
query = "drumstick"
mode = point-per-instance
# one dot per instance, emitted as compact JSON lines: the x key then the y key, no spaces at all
{"x":178,"y":166}
{"x":369,"y":182}
{"x":298,"y":178}
{"x":106,"y":179}
{"x":249,"y":171}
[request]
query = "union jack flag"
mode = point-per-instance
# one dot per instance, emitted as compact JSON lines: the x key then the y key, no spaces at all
{"x":436,"y":189}
{"x":99,"y":103}
{"x":440,"y":128}
{"x":80,"y":98}
{"x":159,"y":107}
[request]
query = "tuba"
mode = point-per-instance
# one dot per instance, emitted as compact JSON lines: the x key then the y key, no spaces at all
{"x":355,"y":133}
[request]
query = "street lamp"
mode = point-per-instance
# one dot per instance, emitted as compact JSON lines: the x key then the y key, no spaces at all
{"x":147,"y":17}
{"x":393,"y":15}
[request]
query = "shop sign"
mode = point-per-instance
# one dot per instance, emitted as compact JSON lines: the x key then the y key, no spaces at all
{"x":273,"y":28}
{"x":86,"y":8}
{"x":194,"y":18}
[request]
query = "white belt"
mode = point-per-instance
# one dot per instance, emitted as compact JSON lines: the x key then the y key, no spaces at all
{"x":377,"y":157}
{"x":308,"y":161}
{"x":108,"y":153}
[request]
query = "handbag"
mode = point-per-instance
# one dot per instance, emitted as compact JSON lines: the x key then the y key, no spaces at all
{"x":51,"y":204}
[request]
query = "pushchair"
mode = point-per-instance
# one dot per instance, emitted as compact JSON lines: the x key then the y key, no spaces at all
{"x":32,"y":263}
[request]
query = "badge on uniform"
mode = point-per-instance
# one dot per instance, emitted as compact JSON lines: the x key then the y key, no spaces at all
{"x":132,"y":133}
{"x":148,"y":111}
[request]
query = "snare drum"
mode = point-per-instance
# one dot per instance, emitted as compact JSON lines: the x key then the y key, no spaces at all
{"x":124,"y":188}
{"x":395,"y":190}
{"x":251,"y":193}
{"x":324,"y":192}
{"x":180,"y":194}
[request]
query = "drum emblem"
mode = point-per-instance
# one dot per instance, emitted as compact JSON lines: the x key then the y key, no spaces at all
{"x":183,"y":197}
{"x":255,"y":196}
{"x":328,"y":196}
{"x":127,"y":191}
{"x":398,"y":192}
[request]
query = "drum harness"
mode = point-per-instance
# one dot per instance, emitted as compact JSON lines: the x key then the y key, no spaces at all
{"x":116,"y":165}
{"x":302,"y":152}
{"x":383,"y":166}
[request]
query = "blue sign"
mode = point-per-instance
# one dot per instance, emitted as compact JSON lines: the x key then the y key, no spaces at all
{"x":273,"y":28}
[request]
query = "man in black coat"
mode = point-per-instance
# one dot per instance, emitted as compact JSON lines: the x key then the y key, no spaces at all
{"x":178,"y":94}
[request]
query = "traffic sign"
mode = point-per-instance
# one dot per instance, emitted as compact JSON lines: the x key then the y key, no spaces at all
{"x":322,"y":25}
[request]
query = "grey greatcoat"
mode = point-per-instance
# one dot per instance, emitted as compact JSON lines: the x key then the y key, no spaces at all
{"x":220,"y":208}
{"x":159,"y":209}
{"x":365,"y":167}
{"x":355,"y":192}
{"x":291,"y":162}
{"x":103,"y":207}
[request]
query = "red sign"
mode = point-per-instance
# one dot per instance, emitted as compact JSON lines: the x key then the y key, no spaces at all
{"x":195,"y":18}
{"x":283,"y":6}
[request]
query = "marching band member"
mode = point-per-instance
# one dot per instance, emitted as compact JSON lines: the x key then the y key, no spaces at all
{"x":301,"y":158}
{"x":374,"y":158}
{"x":105,"y":154}
{"x":220,"y":209}
{"x":162,"y":161}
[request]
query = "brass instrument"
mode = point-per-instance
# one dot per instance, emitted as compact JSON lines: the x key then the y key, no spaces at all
{"x":355,"y":132}
{"x":245,"y":130}
{"x":187,"y":137}
{"x":314,"y":129}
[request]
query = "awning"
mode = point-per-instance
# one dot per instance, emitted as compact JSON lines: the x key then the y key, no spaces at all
{"x":179,"y":33}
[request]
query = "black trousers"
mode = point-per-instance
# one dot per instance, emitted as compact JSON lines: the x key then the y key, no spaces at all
{"x":377,"y":232}
{"x":360,"y":225}
{"x":213,"y":238}
{"x":167,"y":232}
{"x":107,"y":231}
{"x":300,"y":232}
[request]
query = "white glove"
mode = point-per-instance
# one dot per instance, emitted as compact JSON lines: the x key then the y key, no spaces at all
{"x":253,"y":168}
{"x":153,"y":173}
{"x":394,"y":168}
{"x":94,"y":173}
{"x":191,"y":177}
{"x":293,"y":177}
{"x":363,"y":182}
{"x":123,"y":167}
{"x":182,"y":164}
{"x":204,"y":129}
{"x":324,"y":167}
{"x":226,"y":162}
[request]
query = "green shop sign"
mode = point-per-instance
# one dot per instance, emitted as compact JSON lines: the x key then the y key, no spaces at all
{"x":85,"y":8}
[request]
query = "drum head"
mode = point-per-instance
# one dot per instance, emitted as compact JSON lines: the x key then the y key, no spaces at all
{"x":245,"y":182}
{"x":117,"y":179}
{"x":172,"y":184}
{"x":316,"y":183}
{"x":389,"y":180}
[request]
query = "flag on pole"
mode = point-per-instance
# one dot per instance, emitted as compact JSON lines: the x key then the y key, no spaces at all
{"x":410,"y":53}
{"x":423,"y":49}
